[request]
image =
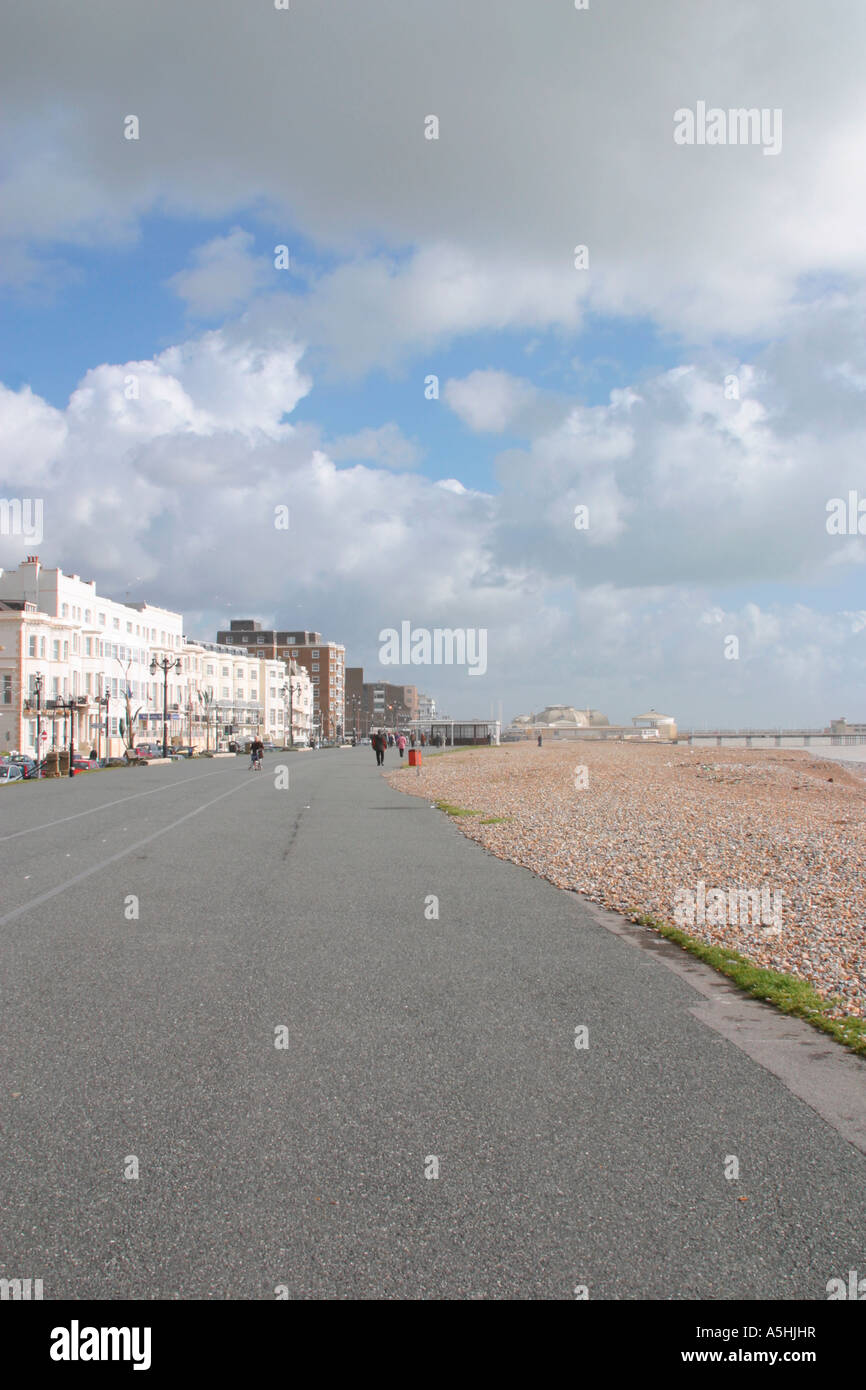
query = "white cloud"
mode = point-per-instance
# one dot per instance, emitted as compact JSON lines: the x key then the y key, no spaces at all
{"x":33,"y":434}
{"x":701,"y":507}
{"x":387,"y":446}
{"x":489,"y":400}
{"x":225,"y":276}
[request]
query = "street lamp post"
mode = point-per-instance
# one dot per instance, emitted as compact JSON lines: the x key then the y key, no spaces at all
{"x":37,"y":684}
{"x":164,"y":664}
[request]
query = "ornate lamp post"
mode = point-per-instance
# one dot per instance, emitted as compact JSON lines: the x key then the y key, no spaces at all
{"x":164,"y":664}
{"x":289,"y":689}
{"x":37,"y":686}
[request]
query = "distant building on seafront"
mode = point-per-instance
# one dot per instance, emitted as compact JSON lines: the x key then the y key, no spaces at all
{"x":565,"y":721}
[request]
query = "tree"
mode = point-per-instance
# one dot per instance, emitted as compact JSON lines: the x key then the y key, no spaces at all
{"x":127,"y":725}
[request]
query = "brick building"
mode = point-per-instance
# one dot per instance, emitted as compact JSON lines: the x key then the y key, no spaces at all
{"x":377,"y":704}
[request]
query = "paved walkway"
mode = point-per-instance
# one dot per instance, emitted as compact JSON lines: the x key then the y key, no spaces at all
{"x":410,"y":1038}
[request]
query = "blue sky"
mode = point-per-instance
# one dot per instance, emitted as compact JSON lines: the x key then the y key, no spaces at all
{"x":115,"y":304}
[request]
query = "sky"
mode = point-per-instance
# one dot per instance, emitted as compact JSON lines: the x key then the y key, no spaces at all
{"x":325,"y":258}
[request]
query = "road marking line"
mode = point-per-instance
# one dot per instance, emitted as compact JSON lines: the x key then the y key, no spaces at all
{"x":121,"y":854}
{"x":132,"y":797}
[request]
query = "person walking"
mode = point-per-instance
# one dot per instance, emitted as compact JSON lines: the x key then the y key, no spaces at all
{"x":257,"y":749}
{"x":539,"y":740}
{"x":401,"y":744}
{"x":378,"y":741}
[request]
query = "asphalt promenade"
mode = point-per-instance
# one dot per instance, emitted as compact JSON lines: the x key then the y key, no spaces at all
{"x":409,"y":1038}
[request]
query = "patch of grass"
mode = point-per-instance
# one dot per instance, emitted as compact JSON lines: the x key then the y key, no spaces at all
{"x":786,"y":992}
{"x":494,"y":820}
{"x":456,"y":810}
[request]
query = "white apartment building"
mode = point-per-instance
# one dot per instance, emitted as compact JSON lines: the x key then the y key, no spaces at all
{"x":426,"y":707}
{"x":72,"y":661}
{"x":294,"y":716}
{"x":236,"y":696}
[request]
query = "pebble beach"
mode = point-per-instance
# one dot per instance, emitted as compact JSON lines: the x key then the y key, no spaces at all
{"x":640,"y":827}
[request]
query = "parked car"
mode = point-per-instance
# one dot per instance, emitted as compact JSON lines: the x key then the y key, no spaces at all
{"x":10,"y":772}
{"x":29,"y":767}
{"x":84,"y":764}
{"x":146,"y":750}
{"x":185,"y":752}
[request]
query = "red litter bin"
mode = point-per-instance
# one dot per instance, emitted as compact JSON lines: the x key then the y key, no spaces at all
{"x":414,"y":757}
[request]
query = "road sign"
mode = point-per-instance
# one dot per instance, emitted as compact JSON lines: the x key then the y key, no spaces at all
{"x":44,"y":735}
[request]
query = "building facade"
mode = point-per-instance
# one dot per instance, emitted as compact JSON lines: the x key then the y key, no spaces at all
{"x":378,"y":704}
{"x":76,"y":668}
{"x":324,"y":662}
{"x":75,"y":665}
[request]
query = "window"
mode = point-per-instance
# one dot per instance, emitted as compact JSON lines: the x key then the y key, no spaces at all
{"x":32,"y":647}
{"x":42,"y":645}
{"x":7,"y":688}
{"x":209,"y":671}
{"x":315,"y":665}
{"x":55,"y":649}
{"x":226,"y":671}
{"x":115,"y":623}
{"x":65,"y":651}
{"x":129,"y":627}
{"x":87,"y":615}
{"x":294,"y":651}
{"x":315,"y":654}
{"x":225,"y":692}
